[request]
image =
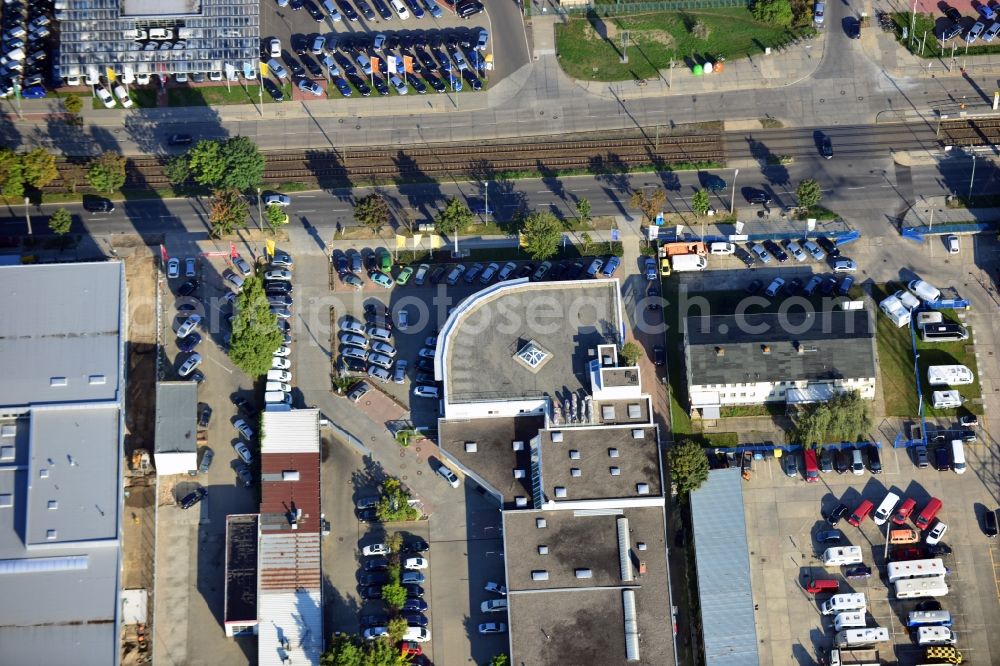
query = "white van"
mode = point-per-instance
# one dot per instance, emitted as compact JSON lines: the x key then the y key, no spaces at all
{"x":924,"y":290}
{"x":946,"y":399}
{"x":279,"y":376}
{"x":849,"y":620}
{"x":859,"y":637}
{"x":839,"y":603}
{"x":277,"y":386}
{"x":833,"y":557}
{"x":722,"y":248}
{"x":958,"y":456}
{"x":884,"y":509}
{"x":277,"y":398}
{"x":935,"y":636}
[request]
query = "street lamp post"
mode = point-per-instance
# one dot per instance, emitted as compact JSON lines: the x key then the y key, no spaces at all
{"x":260,"y":215}
{"x":27,"y":213}
{"x":732,"y":198}
{"x":973,"y":177}
{"x":487,"y":202}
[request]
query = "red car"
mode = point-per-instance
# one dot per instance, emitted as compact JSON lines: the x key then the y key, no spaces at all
{"x":904,"y":511}
{"x":411,"y":648}
{"x":861,"y":513}
{"x":908,"y":553}
{"x":815,"y":586}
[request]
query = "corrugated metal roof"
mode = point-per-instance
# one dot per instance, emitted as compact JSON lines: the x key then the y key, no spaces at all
{"x":176,"y":417}
{"x":723,"y":558}
{"x":64,"y":343}
{"x":289,"y":562}
{"x":289,"y":490}
{"x":291,"y":626}
{"x":295,"y":431}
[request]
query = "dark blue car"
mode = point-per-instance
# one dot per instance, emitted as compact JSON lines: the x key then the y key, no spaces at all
{"x":650,"y":268}
{"x":342,"y":86}
{"x":611,"y":266}
{"x":34,"y":92}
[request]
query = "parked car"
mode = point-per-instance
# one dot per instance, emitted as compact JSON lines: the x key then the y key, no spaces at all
{"x":837,"y":515}
{"x":858,"y":571}
{"x":193,"y":498}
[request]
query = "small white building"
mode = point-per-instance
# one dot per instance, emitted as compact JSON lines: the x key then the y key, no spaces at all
{"x":176,"y":430}
{"x":752,"y":359}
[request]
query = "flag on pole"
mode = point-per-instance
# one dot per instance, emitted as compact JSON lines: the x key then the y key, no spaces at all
{"x":391,"y":64}
{"x":264,"y":69}
{"x":270,"y":247}
{"x":408,"y":64}
{"x":163,"y":254}
{"x":522,"y":240}
{"x":128,"y":76}
{"x":111,"y":74}
{"x":400,"y":242}
{"x":375,"y":62}
{"x":248,"y":72}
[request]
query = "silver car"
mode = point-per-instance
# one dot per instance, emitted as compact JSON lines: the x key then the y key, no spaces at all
{"x":814,"y":250}
{"x":761,"y":253}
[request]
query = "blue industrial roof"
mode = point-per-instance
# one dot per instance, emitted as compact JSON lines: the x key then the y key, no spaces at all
{"x":723,"y":558}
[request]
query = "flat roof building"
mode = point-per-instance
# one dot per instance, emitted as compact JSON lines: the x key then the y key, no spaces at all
{"x":755,"y":358}
{"x":133,"y":37}
{"x":540,"y":413}
{"x":61,"y":434}
{"x":176,"y":430}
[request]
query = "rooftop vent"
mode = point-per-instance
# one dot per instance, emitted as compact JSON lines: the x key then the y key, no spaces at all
{"x":518,"y":446}
{"x":540,"y":574}
{"x":57,"y":381}
{"x":8,"y":430}
{"x":641,"y":545}
{"x":615,"y":471}
{"x":96,"y":380}
{"x":471,"y":447}
{"x":6,"y":452}
{"x":583,"y":573}
{"x":642,"y":488}
{"x":638,"y":433}
{"x":51,"y":534}
{"x":557,"y":436}
{"x":624,"y":561}
{"x":6,"y":500}
{"x":43,"y":473}
{"x":540,"y":523}
{"x":520,"y":501}
{"x":574,"y":455}
{"x":612,"y":453}
{"x":290,"y":475}
{"x":561,"y":492}
{"x":634,"y":411}
{"x":575,"y":472}
{"x":53,"y":505}
{"x":543,"y":550}
{"x":519,"y":473}
{"x":720,"y":351}
{"x":608,"y":412}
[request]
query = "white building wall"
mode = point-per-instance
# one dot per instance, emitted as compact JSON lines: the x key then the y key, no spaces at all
{"x":175,"y":463}
{"x":478,"y":410}
{"x":761,"y":392}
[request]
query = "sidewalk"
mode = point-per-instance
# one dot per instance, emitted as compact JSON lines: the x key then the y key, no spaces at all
{"x":934,"y":212}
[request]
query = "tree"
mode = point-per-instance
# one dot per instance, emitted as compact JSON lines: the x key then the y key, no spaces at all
{"x":394,"y":595}
{"x":256,"y":335}
{"x":39,"y":167}
{"x":60,"y":222}
{"x":775,"y":12}
{"x":583,"y":209}
{"x":73,"y":104}
{"x":351,"y":650}
{"x":500,"y":660}
{"x":454,"y":217}
{"x":394,"y":542}
{"x":588,"y":243}
{"x":73,"y":174}
{"x":688,"y":466}
{"x":844,"y":418}
{"x":631,"y":352}
{"x":107,"y":172}
{"x":11,"y":174}
{"x":699,"y":202}
{"x":177,"y":169}
{"x":275,"y":216}
{"x":808,"y":193}
{"x":228,"y":211}
{"x":700,"y":30}
{"x":394,"y":504}
{"x":372,"y":211}
{"x":397,"y":628}
{"x":650,"y":203}
{"x":542,"y":233}
{"x":235,"y":162}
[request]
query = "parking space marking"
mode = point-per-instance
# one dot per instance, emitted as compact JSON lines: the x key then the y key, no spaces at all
{"x":996,"y":581}
{"x":220,"y":365}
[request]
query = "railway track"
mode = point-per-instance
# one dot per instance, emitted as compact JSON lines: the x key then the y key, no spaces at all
{"x":414,"y":163}
{"x":970,"y":132}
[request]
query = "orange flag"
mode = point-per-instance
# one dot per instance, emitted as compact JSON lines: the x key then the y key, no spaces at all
{"x":408,"y":64}
{"x":374,"y":64}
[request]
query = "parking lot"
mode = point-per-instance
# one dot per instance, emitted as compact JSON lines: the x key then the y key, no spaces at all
{"x":31,"y":55}
{"x":783,"y":516}
{"x":374,"y":48}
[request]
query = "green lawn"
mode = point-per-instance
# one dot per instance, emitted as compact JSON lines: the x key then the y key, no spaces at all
{"x":589,"y":47}
{"x":218,"y":95}
{"x":895,"y":356}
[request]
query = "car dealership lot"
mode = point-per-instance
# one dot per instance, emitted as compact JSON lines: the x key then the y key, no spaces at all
{"x":783,"y":516}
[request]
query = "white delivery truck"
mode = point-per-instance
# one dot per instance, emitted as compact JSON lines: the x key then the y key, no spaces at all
{"x":833,"y":557}
{"x":688,"y":262}
{"x":949,"y":375}
{"x":839,"y":603}
{"x":916,"y":588}
{"x":860,"y":637}
{"x":849,"y":620}
{"x":856,"y":657}
{"x":935,"y":636}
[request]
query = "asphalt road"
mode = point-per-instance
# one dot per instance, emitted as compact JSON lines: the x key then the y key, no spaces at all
{"x":867,"y":190}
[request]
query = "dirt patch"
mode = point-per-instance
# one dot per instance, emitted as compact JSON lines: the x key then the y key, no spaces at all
{"x":141,"y":276}
{"x":658,"y":36}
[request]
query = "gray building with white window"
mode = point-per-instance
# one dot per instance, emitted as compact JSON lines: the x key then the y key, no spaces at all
{"x":61,"y":432}
{"x":135,"y":37}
